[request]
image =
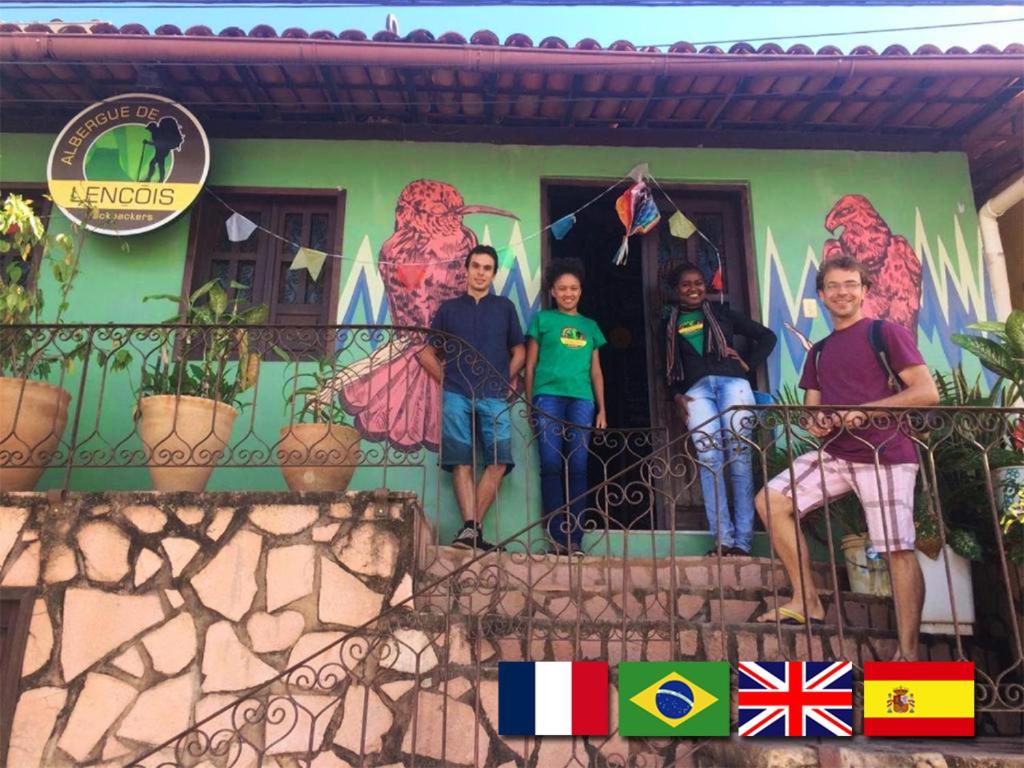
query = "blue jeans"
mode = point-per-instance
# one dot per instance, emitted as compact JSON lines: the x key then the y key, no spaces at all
{"x":716,"y":436}
{"x":563,"y":462}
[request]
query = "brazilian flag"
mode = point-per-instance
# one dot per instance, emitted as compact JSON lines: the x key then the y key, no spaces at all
{"x":674,"y":698}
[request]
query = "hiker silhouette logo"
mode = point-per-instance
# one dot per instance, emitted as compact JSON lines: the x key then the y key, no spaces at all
{"x":128,"y":164}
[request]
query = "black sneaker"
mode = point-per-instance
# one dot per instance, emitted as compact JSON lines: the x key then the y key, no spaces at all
{"x":470,"y":537}
{"x":560,"y":550}
{"x":557,"y":550}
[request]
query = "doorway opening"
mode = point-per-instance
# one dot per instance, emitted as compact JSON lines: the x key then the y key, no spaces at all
{"x":629,"y":302}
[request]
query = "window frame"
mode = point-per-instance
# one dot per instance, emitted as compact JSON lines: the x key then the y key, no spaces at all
{"x":13,"y":659}
{"x":275,"y":196}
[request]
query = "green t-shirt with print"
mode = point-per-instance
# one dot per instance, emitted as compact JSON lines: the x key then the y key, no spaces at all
{"x":566,"y":344}
{"x":691,"y":327}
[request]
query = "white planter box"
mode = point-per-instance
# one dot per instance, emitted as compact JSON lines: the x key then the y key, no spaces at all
{"x":937,"y":616}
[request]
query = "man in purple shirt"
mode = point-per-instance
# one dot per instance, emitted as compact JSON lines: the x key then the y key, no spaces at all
{"x":877,"y":461}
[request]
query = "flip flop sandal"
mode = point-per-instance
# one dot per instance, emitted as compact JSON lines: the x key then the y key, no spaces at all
{"x":793,"y":618}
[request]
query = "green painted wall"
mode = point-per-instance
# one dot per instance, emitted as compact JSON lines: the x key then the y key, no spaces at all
{"x":924,"y":196}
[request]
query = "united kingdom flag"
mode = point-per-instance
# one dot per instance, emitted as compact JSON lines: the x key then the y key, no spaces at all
{"x":796,"y":698}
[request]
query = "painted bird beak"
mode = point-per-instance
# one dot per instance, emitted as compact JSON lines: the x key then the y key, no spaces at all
{"x":487,"y":209}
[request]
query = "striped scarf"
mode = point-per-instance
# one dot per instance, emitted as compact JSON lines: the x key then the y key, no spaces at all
{"x":714,"y":341}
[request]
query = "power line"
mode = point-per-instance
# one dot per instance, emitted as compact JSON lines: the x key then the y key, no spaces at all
{"x":482,"y":3}
{"x":806,"y":36}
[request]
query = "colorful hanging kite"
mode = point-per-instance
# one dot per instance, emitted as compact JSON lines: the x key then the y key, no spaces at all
{"x":639,"y":215}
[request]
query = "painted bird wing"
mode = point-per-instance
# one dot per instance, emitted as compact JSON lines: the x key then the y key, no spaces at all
{"x":900,"y":282}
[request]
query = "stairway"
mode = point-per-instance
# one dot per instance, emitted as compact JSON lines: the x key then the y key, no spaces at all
{"x":543,"y":607}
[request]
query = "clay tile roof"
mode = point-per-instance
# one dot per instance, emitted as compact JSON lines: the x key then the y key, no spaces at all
{"x":452,"y":38}
{"x":758,"y":96}
{"x":554,"y":43}
{"x":484,"y":37}
{"x":420,"y":36}
{"x":682,"y":47}
{"x":263,"y":31}
{"x":518,"y":40}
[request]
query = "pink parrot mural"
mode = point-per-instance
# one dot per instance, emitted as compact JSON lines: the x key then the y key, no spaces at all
{"x":890,"y":259}
{"x":389,"y":393}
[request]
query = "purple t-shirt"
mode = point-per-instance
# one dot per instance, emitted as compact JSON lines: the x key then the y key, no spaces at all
{"x":849,"y":374}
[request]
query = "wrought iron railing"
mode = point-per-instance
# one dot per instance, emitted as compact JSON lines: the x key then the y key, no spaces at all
{"x":644,"y":588}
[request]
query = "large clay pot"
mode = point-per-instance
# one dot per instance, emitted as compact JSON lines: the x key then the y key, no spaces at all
{"x":318,"y":457}
{"x":33,"y":415}
{"x":184,"y":437}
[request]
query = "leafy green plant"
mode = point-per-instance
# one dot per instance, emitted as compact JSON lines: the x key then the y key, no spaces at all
{"x":21,"y":302}
{"x":1001,"y":352}
{"x":304,"y":395}
{"x":206,"y":353}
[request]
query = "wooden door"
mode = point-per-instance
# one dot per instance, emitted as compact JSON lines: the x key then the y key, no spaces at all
{"x":718,"y":216}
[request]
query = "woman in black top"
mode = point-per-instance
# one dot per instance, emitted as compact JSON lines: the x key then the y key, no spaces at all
{"x":708,"y":382}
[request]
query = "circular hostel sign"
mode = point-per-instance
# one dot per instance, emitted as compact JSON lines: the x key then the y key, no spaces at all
{"x":128,"y":164}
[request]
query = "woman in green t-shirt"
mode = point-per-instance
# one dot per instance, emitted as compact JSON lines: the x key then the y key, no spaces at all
{"x":566,"y":386}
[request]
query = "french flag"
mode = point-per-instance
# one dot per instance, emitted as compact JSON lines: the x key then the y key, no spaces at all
{"x":553,"y":698}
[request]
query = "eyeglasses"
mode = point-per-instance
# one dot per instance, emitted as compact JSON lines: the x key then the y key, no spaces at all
{"x":849,"y":285}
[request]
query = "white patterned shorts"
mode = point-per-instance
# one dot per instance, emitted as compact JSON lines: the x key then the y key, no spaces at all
{"x":886,"y":493}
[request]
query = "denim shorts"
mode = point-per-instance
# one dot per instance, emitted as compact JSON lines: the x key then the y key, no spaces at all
{"x":491,"y":433}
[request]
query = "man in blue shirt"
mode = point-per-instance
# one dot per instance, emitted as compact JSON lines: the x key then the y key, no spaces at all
{"x":488,"y":346}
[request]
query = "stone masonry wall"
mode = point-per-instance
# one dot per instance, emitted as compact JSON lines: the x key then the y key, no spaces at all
{"x":154,"y":610}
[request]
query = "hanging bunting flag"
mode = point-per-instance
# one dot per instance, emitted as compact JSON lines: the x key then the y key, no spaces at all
{"x":680,"y":226}
{"x":640,"y":172}
{"x":561,"y":227}
{"x":239,"y":228}
{"x":309,"y":259}
{"x":639,"y":215}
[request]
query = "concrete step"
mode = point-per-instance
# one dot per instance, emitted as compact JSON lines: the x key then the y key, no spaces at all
{"x":708,"y":605}
{"x":615,"y":575}
{"x":861,"y":752}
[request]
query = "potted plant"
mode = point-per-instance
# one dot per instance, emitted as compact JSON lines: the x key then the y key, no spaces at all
{"x":33,"y":413}
{"x":190,"y":391}
{"x":317,"y":451}
{"x":1002,"y":352}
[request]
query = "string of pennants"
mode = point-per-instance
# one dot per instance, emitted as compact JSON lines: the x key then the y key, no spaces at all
{"x":636,"y":209}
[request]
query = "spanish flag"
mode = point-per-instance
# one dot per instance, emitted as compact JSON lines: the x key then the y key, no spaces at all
{"x":918,"y":698}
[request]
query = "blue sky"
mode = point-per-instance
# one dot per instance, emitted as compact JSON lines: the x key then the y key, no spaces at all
{"x":646,"y":26}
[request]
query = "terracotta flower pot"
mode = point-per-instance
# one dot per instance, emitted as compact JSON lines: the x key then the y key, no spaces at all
{"x":33,"y":415}
{"x":184,"y":437}
{"x":318,"y":457}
